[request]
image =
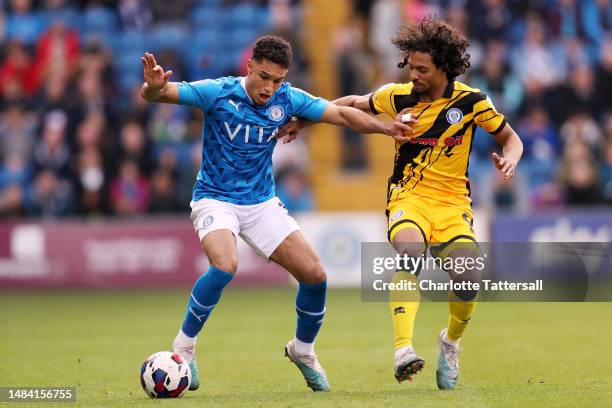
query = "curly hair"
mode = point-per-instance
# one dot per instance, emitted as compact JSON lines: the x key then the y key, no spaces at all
{"x":274,"y":49}
{"x":437,"y":38}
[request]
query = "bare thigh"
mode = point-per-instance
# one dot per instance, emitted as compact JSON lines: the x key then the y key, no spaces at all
{"x":220,"y":248}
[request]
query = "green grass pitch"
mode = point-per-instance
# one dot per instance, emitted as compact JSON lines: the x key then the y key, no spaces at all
{"x":514,"y":354}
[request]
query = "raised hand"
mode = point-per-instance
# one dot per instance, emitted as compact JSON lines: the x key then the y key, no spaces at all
{"x":505,"y":166}
{"x":154,"y":74}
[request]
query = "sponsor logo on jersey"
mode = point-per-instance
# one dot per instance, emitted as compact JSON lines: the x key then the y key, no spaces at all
{"x":432,"y":141}
{"x":399,"y":309}
{"x":234,"y":104}
{"x":259,"y":135}
{"x":396,"y":215}
{"x":454,"y":116}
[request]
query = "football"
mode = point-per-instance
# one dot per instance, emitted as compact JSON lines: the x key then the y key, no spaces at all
{"x":165,"y":375}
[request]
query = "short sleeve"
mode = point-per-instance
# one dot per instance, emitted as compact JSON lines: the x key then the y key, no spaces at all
{"x":199,"y":94}
{"x":306,"y":105}
{"x":381,"y":101}
{"x":487,"y":117}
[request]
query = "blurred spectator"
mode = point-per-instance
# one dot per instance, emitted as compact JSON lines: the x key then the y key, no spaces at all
{"x":57,"y":50}
{"x":135,"y":14}
{"x":293,"y":190}
{"x":63,"y":10}
{"x":130,"y":190}
{"x":533,"y":60}
{"x":541,"y":147}
{"x":53,"y":95}
{"x":163,"y":192}
{"x":11,"y":201}
{"x":52,"y":152}
{"x":578,"y":93}
{"x":22,"y":23}
{"x":164,"y":14}
{"x":581,"y":127}
{"x":385,"y":18}
{"x":565,"y":19}
{"x":17,"y":132}
{"x":19,"y":73}
{"x":134,"y":146}
{"x":501,"y":85}
{"x":492,"y":20}
{"x":90,"y":133}
{"x":168,"y":160}
{"x":90,"y":185}
{"x":15,"y":170}
{"x":96,"y":82}
{"x":604,"y":76}
{"x":580,"y":174}
{"x":167,"y":123}
{"x":49,"y":196}
{"x":597,"y":15}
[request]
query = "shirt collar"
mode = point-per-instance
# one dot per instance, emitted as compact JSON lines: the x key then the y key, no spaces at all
{"x":243,"y":84}
{"x":448,"y":93}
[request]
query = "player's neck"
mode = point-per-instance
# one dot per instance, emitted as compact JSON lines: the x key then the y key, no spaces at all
{"x":434,"y":93}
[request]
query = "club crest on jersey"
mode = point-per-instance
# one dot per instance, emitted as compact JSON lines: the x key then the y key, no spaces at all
{"x":454,"y":116}
{"x":276,"y":113}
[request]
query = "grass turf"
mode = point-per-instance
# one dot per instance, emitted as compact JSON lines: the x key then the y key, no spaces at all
{"x":514,"y":354}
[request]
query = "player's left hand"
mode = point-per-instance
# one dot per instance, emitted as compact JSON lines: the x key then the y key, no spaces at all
{"x":399,"y":131}
{"x":505,"y":166}
{"x":289,"y":132}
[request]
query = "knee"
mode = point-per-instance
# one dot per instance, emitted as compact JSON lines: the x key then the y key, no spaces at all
{"x":467,"y":291}
{"x":466,"y":295}
{"x":315,"y":274}
{"x":226,"y":264}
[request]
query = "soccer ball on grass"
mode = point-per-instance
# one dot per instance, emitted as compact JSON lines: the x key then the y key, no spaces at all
{"x":165,"y":375}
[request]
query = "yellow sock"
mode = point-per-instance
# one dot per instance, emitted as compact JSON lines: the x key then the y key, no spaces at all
{"x":404,"y":305}
{"x":459,"y":316}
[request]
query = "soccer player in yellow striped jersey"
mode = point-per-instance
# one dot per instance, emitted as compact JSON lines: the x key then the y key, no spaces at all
{"x":428,"y":197}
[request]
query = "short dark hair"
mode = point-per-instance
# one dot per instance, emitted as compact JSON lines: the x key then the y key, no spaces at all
{"x":446,"y":45}
{"x":274,"y":49}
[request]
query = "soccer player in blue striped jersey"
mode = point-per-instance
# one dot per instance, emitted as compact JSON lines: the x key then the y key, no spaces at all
{"x":234,"y":192}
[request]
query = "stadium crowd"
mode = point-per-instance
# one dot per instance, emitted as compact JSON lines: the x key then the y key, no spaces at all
{"x":77,"y":139}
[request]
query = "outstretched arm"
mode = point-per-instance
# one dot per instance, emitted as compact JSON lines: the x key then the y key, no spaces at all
{"x":512,"y":151}
{"x":156,"y":87}
{"x":361,"y":122}
{"x":361,"y":102}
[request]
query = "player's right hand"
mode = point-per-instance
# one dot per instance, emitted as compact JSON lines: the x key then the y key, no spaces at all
{"x":403,"y":130}
{"x":154,"y":74}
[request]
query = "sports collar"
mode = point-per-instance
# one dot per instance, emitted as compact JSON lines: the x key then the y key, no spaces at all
{"x":448,"y":93}
{"x":243,"y":84}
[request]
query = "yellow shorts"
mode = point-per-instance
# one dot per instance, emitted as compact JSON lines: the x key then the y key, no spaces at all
{"x":439,"y":223}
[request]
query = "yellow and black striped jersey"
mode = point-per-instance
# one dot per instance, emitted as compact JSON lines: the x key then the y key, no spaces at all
{"x":435,"y":162}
